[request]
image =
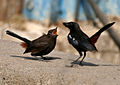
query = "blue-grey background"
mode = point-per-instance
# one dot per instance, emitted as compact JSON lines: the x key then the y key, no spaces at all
{"x":65,"y":9}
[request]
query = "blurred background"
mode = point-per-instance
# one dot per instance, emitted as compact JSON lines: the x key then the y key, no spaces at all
{"x":32,"y":18}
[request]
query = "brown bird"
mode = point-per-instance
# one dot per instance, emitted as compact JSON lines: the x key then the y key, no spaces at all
{"x":40,"y":46}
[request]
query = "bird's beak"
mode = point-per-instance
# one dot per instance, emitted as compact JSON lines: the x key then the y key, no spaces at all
{"x":65,"y":24}
{"x":55,"y":31}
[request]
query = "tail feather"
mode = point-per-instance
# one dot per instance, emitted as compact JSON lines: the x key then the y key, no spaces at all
{"x":95,"y":37}
{"x":17,"y":36}
{"x":24,"y":45}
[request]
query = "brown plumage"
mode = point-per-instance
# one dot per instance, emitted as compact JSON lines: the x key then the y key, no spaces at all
{"x":40,"y":46}
{"x":23,"y":44}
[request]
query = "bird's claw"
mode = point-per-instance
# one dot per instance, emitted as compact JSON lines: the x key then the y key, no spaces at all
{"x":81,"y":64}
{"x":71,"y":65}
{"x":43,"y":58}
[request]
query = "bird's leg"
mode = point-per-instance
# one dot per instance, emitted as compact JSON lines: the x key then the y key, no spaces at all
{"x":38,"y":58}
{"x":83,"y":58}
{"x":35,"y":57}
{"x":43,"y":57}
{"x":78,"y":57}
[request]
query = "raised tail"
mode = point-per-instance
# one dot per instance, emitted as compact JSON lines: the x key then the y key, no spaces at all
{"x":26,"y":41}
{"x":95,"y":37}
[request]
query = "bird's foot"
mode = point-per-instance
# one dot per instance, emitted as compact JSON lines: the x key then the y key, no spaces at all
{"x":71,"y":65}
{"x":81,"y":64}
{"x":37,"y":58}
{"x":43,"y":58}
{"x":74,"y":62}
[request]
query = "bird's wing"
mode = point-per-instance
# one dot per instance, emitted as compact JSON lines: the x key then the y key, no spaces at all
{"x":86,"y":44}
{"x":81,"y":41}
{"x":37,"y":47}
{"x":39,"y":44}
{"x":72,"y":40}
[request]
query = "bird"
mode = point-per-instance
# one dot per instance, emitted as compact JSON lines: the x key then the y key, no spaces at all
{"x":80,"y":41}
{"x":40,"y":46}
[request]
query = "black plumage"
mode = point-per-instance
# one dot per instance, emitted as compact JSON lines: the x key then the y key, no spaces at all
{"x":80,"y":41}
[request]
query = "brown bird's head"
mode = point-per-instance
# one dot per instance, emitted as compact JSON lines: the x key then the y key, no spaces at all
{"x":53,"y":32}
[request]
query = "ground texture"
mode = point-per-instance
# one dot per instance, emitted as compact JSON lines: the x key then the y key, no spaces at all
{"x":19,"y":69}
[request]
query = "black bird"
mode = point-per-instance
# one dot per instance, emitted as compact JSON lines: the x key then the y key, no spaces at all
{"x":80,"y":41}
{"x":40,"y":46}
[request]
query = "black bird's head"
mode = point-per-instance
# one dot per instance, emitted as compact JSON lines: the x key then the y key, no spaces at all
{"x":71,"y":25}
{"x":53,"y":32}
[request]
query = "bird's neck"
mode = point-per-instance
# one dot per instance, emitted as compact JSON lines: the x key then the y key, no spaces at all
{"x":72,"y":32}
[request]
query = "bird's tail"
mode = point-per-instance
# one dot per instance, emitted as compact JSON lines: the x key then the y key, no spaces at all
{"x":23,"y":44}
{"x":95,"y":37}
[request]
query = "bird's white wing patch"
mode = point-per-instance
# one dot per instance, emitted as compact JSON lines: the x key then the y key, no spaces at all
{"x":72,"y":40}
{"x":70,"y":36}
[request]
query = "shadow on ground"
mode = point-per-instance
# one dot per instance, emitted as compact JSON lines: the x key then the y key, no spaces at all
{"x":37,"y":58}
{"x":48,"y":58}
{"x":84,"y":63}
{"x":92,"y":64}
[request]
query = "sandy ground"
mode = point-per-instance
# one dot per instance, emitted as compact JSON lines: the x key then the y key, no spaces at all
{"x":19,"y":69}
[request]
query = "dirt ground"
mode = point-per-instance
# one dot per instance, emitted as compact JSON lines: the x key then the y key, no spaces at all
{"x":19,"y":69}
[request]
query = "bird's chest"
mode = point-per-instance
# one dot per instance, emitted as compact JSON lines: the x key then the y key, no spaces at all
{"x":52,"y":43}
